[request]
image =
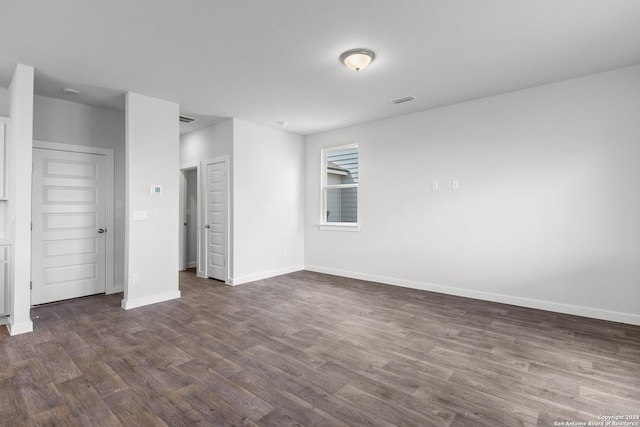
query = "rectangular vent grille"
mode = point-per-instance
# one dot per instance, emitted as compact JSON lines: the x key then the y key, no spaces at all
{"x":403,"y":100}
{"x":185,"y":119}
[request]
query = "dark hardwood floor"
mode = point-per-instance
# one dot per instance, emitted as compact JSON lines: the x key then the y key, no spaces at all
{"x":315,"y":350}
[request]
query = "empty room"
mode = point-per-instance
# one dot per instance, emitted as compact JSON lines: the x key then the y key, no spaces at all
{"x":320,"y":213}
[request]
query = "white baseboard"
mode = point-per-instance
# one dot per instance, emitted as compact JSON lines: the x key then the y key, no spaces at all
{"x":267,"y":274}
{"x":151,"y":299}
{"x":596,"y":313}
{"x":20,"y":328}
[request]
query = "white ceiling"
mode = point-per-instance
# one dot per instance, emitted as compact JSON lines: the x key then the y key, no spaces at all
{"x":269,"y":61}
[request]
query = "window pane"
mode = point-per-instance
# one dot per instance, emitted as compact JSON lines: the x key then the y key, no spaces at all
{"x":342,"y":166}
{"x":342,"y":205}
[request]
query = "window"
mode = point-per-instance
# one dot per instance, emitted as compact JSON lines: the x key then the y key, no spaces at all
{"x":340,"y":180}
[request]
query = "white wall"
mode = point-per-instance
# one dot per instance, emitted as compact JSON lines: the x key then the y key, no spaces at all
{"x":547,"y":214}
{"x":213,"y":141}
{"x":18,"y":206}
{"x":268,"y":198}
{"x":152,"y":158}
{"x":4,"y":102}
{"x":67,"y":122}
{"x":4,"y":112}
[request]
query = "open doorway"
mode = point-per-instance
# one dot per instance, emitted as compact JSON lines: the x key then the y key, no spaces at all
{"x":189,"y":204}
{"x":191,"y":219}
{"x":204,"y":218}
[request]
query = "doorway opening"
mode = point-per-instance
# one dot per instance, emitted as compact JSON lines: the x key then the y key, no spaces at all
{"x":204,"y":218}
{"x":190,"y":219}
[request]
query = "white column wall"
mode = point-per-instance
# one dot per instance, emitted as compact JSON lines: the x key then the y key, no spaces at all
{"x":18,"y":213}
{"x":4,"y":112}
{"x":152,"y":146}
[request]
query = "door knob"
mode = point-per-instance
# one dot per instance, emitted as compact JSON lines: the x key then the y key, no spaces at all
{"x":207,"y":226}
{"x":102,"y":230}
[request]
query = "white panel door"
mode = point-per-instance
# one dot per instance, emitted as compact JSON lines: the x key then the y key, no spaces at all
{"x":68,"y":216}
{"x":216,"y":221}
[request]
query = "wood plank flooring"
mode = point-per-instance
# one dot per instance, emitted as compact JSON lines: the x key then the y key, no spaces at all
{"x":315,"y":350}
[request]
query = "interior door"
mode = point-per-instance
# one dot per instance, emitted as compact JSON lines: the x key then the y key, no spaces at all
{"x":216,"y":220}
{"x":68,"y":223}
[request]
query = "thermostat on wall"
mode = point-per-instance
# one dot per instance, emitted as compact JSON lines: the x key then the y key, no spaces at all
{"x":156,"y":190}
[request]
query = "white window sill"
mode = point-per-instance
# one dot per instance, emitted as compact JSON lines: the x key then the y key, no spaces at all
{"x":339,"y":227}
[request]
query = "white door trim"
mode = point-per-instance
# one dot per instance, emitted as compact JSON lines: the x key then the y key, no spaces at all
{"x":110,"y":286}
{"x":202,"y":207}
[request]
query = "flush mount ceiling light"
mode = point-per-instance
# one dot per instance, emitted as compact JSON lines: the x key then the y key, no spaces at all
{"x":357,"y":59}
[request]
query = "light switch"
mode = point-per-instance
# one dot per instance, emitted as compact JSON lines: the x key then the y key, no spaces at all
{"x":140,"y":215}
{"x":434,"y":185}
{"x":455,"y":184}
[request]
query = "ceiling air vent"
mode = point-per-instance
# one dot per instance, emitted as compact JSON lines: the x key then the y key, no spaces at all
{"x":185,"y":119}
{"x":403,"y":100}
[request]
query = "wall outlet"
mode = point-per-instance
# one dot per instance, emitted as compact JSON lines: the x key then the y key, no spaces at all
{"x":135,"y":278}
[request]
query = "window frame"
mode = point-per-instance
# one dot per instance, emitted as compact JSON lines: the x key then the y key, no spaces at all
{"x":324,"y":187}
